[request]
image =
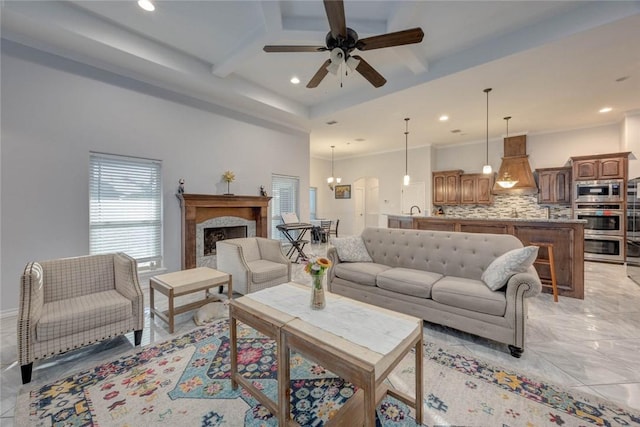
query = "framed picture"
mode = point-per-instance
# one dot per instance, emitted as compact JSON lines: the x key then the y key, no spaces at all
{"x":343,"y":191}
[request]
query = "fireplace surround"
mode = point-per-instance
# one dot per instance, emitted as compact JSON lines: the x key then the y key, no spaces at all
{"x":200,"y":208}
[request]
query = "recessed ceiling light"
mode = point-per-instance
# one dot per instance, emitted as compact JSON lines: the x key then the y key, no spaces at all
{"x":605,"y":109}
{"x":295,"y":80}
{"x":443,"y":118}
{"x":146,"y":5}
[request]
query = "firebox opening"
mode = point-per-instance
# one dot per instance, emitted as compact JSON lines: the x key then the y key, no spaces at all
{"x":215,"y":234}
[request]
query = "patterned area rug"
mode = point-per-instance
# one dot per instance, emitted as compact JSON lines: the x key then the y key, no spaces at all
{"x":186,"y":381}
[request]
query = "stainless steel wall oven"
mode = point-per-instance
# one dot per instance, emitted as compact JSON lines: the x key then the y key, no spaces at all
{"x":604,"y":231}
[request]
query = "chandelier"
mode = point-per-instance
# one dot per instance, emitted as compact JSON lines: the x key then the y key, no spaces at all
{"x":333,"y":179}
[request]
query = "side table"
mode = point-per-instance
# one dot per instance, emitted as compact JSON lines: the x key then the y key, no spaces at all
{"x":186,"y":282}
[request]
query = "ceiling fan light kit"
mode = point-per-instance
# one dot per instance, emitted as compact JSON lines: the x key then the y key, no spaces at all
{"x":341,"y":41}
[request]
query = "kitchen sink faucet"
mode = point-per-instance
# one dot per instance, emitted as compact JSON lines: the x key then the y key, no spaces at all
{"x":411,"y":210}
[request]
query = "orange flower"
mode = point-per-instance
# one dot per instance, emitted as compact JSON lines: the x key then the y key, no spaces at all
{"x":323,"y":262}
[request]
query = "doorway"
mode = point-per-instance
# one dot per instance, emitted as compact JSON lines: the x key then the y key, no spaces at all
{"x":366,"y":204}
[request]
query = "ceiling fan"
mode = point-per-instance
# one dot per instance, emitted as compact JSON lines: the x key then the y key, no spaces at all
{"x":341,"y":41}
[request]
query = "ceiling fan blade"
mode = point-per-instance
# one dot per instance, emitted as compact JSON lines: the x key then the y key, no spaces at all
{"x":399,"y":38}
{"x":336,"y":17}
{"x":368,"y":72}
{"x":317,"y":78}
{"x":283,"y":48}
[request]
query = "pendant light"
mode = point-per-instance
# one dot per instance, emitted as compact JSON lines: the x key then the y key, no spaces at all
{"x":332,"y":178}
{"x":406,"y":179}
{"x":486,"y":169}
{"x":505,"y":180}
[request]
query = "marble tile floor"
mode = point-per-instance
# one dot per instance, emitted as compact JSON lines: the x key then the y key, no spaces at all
{"x":591,"y":345}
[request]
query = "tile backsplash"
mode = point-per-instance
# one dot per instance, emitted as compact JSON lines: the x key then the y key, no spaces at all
{"x":510,"y":206}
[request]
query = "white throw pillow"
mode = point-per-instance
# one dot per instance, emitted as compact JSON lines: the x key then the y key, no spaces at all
{"x":351,"y":249}
{"x":506,"y":265}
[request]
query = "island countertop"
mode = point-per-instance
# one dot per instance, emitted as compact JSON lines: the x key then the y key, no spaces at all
{"x":566,"y":235}
{"x":477,"y":218}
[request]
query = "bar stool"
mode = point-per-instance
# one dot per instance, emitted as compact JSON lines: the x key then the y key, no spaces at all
{"x":553,"y":284}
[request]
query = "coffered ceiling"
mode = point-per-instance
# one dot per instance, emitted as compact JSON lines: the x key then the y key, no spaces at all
{"x":552,"y":64}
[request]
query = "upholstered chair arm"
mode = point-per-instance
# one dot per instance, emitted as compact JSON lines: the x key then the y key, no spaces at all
{"x":528,"y":284}
{"x":126,"y":278}
{"x":30,"y":310}
{"x":230,"y":259}
{"x":332,"y":254}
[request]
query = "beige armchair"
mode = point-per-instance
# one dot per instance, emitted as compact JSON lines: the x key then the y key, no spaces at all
{"x":254,"y":262}
{"x":73,"y":302}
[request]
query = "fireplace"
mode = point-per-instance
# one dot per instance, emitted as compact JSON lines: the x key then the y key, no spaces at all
{"x":212,"y":235}
{"x":203,"y":211}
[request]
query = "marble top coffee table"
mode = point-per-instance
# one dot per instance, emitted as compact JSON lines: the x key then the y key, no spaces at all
{"x":359,"y":342}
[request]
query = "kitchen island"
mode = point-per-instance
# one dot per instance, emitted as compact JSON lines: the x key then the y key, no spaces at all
{"x":566,"y":235}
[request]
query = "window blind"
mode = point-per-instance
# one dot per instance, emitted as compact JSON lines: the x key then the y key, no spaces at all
{"x":126,"y":208}
{"x":284,"y":193}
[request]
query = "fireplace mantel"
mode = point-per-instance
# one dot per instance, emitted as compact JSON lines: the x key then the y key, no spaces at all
{"x":197,"y":208}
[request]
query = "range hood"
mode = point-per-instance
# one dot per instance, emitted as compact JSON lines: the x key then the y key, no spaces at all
{"x":516,"y":163}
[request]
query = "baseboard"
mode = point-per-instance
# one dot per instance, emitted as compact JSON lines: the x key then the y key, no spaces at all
{"x":6,"y":314}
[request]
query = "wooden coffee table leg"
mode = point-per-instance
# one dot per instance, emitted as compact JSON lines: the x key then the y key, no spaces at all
{"x":170,"y":312}
{"x":370,"y":402}
{"x":152,"y":304}
{"x":284,"y":380}
{"x":418,"y":407}
{"x":230,"y":287}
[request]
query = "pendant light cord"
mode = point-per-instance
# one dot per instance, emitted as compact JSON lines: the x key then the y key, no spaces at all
{"x":406,"y":146}
{"x":487,"y":136}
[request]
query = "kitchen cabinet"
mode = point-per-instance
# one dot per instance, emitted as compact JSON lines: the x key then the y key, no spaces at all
{"x":400,"y":222}
{"x":475,"y":189}
{"x":554,"y":186}
{"x":601,"y":166}
{"x":567,"y":237}
{"x":446,"y":187}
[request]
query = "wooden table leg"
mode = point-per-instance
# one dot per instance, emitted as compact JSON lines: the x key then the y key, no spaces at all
{"x":152,"y":305}
{"x":234,"y":349}
{"x":284,"y":380}
{"x":419,"y":379}
{"x":170,"y":312}
{"x":370,"y":402}
{"x":230,"y":287}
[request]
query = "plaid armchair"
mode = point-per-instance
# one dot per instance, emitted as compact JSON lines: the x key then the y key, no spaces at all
{"x":73,"y":302}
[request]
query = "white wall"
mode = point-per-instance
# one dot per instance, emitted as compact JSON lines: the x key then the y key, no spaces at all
{"x":544,"y":150}
{"x":631,"y":140}
{"x":53,"y":117}
{"x":387,"y":167}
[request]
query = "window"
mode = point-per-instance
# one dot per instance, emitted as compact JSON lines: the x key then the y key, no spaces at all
{"x":125,"y":213}
{"x":313,"y":202}
{"x":284,"y":190}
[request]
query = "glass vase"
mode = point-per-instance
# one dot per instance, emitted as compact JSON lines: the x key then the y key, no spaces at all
{"x":317,"y":292}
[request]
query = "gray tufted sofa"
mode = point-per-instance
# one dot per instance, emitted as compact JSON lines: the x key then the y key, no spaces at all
{"x":436,"y":275}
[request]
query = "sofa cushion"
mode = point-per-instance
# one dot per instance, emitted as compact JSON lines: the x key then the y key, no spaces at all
{"x":351,"y":249}
{"x":408,"y":281}
{"x":263,"y":270}
{"x":69,"y":316}
{"x":363,"y":273}
{"x":469,"y":294}
{"x":506,"y":265}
